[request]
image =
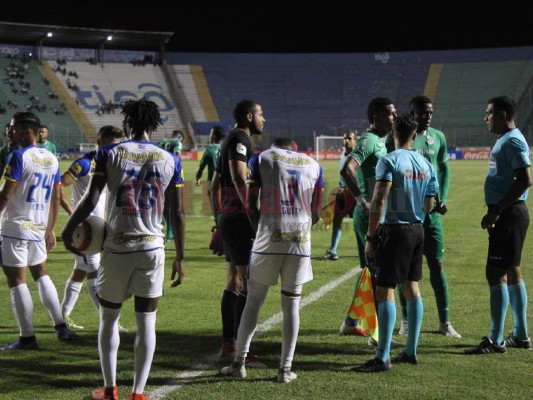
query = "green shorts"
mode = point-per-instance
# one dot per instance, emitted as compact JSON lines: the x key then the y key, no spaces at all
{"x":433,"y":237}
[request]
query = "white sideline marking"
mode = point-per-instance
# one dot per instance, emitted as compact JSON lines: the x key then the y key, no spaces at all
{"x":198,"y":369}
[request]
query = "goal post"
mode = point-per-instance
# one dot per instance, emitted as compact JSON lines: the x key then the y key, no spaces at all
{"x":326,"y":145}
{"x":85,"y":147}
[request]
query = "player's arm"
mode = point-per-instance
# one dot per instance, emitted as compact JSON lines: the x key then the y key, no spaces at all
{"x":7,"y":193}
{"x":66,"y":180}
{"x":428,"y":204}
{"x":200,"y":171}
{"x":215,"y":195}
{"x":237,"y":170}
{"x":443,"y":177}
{"x":83,"y":210}
{"x":348,"y":172}
{"x":49,"y":235}
{"x":316,"y":205}
{"x":377,"y":209}
{"x":177,"y":222}
{"x":252,"y":209}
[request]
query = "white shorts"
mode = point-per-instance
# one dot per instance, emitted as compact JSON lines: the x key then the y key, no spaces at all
{"x":121,"y":276}
{"x":87,"y":263}
{"x":293,"y":270}
{"x":23,"y":253}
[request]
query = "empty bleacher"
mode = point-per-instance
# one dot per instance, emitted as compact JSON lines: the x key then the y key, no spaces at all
{"x":102,"y":89}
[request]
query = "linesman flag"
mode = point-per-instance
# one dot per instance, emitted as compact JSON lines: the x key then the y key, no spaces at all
{"x":328,"y":211}
{"x":363,"y":307}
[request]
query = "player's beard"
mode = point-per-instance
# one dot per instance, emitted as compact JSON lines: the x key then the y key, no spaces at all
{"x":254,"y":128}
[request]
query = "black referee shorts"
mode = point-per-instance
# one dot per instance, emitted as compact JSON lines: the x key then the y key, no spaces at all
{"x":506,"y":239}
{"x":399,"y":254}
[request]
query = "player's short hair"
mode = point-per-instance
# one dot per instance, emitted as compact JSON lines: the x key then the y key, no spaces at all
{"x":219,"y":133}
{"x":141,"y":115}
{"x":504,"y":103}
{"x":176,"y":133}
{"x":282,"y":143}
{"x":405,"y":127}
{"x":28,"y":120}
{"x":419,"y":101}
{"x":110,"y":131}
{"x":376,"y":106}
{"x":242,"y":109}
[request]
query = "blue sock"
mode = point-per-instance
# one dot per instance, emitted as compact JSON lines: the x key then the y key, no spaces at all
{"x":415,"y":312}
{"x":518,"y":300}
{"x":499,"y":301}
{"x":336,"y":234}
{"x":386,"y":320}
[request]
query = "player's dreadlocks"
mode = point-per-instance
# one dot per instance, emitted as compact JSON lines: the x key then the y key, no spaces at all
{"x":142,"y":115}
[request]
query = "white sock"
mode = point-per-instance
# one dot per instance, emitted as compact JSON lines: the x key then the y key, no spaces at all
{"x":92,"y":288}
{"x":108,"y":343}
{"x":257,"y":293}
{"x":144,"y":348}
{"x":50,"y":299}
{"x":70,"y":296}
{"x":290,"y":328}
{"x":22,"y":305}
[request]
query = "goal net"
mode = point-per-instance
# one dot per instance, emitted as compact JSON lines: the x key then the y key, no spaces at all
{"x":85,"y":147}
{"x":328,"y":147}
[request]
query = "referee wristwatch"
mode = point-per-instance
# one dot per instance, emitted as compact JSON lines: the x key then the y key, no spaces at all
{"x":369,"y":238}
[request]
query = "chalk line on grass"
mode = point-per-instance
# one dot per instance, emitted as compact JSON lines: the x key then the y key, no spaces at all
{"x":198,"y":369}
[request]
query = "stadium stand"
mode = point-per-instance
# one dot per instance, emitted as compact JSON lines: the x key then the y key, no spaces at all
{"x":303,"y":95}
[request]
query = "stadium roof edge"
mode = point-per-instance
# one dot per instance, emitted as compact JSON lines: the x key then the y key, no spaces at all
{"x":65,"y":36}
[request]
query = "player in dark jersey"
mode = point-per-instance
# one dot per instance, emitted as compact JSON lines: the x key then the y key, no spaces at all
{"x":229,"y":182}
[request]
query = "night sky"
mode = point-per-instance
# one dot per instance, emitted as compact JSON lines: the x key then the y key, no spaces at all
{"x":294,"y":26}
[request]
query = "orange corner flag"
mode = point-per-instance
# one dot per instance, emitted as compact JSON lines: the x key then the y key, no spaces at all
{"x":363,"y":307}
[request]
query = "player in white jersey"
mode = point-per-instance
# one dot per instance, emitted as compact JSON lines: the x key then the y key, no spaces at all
{"x":30,"y":198}
{"x":290,"y":188}
{"x":78,"y":176}
{"x":137,"y":174}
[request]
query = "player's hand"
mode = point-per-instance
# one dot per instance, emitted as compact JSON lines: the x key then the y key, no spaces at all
{"x":199,"y":182}
{"x":489,"y":220}
{"x":179,"y":269}
{"x":50,"y":240}
{"x":370,"y":252}
{"x":440,"y":208}
{"x":216,"y":245}
{"x":366,"y":205}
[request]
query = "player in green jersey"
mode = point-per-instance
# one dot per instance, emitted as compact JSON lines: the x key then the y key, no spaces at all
{"x":44,"y":142}
{"x":431,"y":143}
{"x":359,"y":174}
{"x":210,"y":158}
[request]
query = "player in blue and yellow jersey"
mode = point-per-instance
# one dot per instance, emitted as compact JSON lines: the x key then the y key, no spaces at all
{"x":30,"y":198}
{"x":137,"y":174}
{"x":289,"y":186}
